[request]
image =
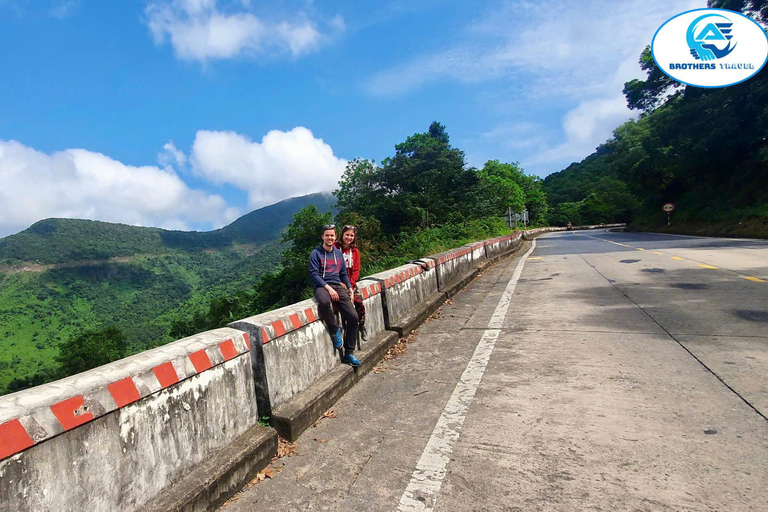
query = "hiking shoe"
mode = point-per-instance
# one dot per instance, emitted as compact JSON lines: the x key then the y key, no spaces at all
{"x":352,"y":360}
{"x":336,"y":337}
{"x":364,"y":333}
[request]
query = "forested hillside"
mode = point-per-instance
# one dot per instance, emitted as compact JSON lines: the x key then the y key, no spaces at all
{"x":703,"y":149}
{"x":422,"y":200}
{"x":63,"y":277}
{"x":78,"y":294}
{"x":54,"y":241}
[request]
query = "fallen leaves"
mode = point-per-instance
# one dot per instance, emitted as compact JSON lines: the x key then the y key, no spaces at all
{"x":400,"y":347}
{"x":327,"y":414}
{"x":284,"y":449}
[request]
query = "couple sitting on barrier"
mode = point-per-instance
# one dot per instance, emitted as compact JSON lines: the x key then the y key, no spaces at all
{"x":334,"y":268}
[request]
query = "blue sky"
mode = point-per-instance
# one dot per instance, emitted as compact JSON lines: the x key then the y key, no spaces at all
{"x":186,"y":114}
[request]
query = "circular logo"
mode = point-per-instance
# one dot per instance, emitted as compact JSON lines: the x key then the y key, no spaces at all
{"x":668,"y":207}
{"x":710,"y":48}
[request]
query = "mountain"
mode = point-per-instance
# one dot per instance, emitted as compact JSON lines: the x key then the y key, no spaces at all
{"x":61,"y":276}
{"x":62,"y":241}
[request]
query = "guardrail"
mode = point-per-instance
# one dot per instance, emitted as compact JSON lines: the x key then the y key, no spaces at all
{"x":177,"y":427}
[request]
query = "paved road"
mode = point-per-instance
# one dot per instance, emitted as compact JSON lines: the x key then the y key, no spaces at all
{"x":614,"y":371}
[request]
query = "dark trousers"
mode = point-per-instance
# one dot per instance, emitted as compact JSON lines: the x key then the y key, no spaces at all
{"x":347,"y":310}
{"x":359,"y":307}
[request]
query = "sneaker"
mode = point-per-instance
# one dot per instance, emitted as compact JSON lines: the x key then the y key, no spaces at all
{"x":336,"y":337}
{"x":352,"y":360}
{"x":364,"y":333}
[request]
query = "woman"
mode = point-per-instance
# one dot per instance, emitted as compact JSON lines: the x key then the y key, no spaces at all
{"x":348,"y":246}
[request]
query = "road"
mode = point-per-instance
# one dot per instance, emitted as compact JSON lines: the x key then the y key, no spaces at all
{"x":604,"y":371}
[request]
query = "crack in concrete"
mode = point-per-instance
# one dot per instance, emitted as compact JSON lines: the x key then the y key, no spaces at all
{"x":672,"y":336}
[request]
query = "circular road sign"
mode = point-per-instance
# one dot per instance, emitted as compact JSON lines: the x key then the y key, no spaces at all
{"x":668,"y":207}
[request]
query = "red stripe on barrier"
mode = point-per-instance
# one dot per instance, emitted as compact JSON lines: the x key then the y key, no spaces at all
{"x":310,"y":315}
{"x":279,"y":328}
{"x":364,"y":293}
{"x":166,"y":374}
{"x":13,"y":438}
{"x":71,"y":412}
{"x":264,"y":335}
{"x":295,"y":320}
{"x":200,"y":360}
{"x":124,"y":392}
{"x":247,"y":340}
{"x":228,"y":349}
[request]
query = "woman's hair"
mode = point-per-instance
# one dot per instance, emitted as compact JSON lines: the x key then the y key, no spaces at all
{"x":344,"y":230}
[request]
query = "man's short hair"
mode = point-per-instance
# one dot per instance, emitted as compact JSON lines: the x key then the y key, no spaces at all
{"x":327,"y":227}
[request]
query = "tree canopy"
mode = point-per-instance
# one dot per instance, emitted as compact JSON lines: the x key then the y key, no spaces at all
{"x":703,"y":149}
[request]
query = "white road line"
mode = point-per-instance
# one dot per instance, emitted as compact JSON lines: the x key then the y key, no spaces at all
{"x":427,"y":478}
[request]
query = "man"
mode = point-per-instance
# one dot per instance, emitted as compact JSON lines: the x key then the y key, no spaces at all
{"x":329,"y":277}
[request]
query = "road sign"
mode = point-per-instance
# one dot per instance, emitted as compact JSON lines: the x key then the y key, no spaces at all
{"x":668,"y":207}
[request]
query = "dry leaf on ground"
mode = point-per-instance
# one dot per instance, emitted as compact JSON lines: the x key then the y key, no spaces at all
{"x":320,"y":440}
{"x":284,"y":449}
{"x":330,"y":414}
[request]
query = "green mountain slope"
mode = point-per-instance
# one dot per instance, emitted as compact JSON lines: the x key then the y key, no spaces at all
{"x":56,"y":241}
{"x":61,"y":276}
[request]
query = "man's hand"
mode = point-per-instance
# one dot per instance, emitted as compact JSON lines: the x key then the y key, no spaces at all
{"x":332,"y":293}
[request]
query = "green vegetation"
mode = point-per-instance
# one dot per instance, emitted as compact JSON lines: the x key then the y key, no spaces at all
{"x":422,"y":201}
{"x":703,"y":149}
{"x":90,"y":349}
{"x":77,"y":294}
{"x":143,"y":280}
{"x":63,"y":241}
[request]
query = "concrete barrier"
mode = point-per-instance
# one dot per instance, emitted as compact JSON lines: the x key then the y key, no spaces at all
{"x":118,"y":436}
{"x":496,"y":248}
{"x":479,"y":256}
{"x":410,"y":293}
{"x":176,"y":428}
{"x":454,"y":269}
{"x":298,"y":374}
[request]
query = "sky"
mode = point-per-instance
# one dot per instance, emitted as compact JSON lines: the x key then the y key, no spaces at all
{"x":186,"y":114}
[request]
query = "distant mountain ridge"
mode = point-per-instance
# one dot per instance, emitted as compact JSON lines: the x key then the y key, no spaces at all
{"x":61,"y":276}
{"x":52,"y":241}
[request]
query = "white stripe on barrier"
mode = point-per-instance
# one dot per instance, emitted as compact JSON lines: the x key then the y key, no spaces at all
{"x":427,"y":478}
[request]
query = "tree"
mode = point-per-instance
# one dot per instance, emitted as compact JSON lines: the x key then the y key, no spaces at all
{"x":426,"y":183}
{"x":91,"y":348}
{"x":648,"y":94}
{"x":498,"y":188}
{"x":516,"y":189}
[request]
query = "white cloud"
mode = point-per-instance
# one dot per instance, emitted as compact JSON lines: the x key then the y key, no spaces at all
{"x":586,"y":126}
{"x":569,"y":53}
{"x":76,"y":183}
{"x":171,"y":157}
{"x":534,"y":59}
{"x":64,"y":8}
{"x":282,"y":165}
{"x":200,"y":30}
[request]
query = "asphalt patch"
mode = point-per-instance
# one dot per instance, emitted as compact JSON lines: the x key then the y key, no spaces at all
{"x":628,"y":261}
{"x":653,"y":270}
{"x":752,"y":315}
{"x":689,"y":286}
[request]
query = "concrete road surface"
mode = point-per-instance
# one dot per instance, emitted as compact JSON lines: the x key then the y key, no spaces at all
{"x":606,"y":371}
